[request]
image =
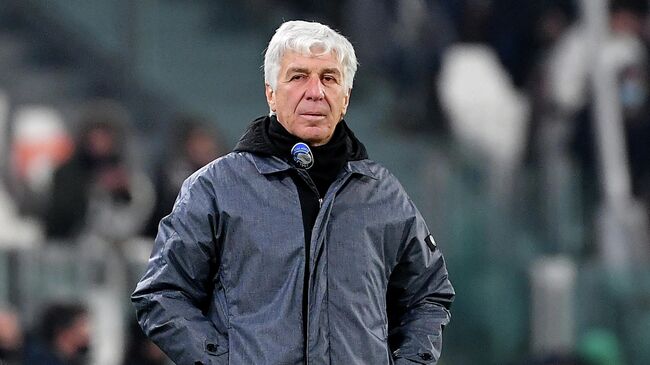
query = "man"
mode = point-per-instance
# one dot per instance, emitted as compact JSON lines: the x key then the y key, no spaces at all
{"x":296,"y":248}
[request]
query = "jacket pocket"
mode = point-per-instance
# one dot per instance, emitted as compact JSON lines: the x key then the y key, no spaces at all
{"x":218,"y":348}
{"x":221,"y":304}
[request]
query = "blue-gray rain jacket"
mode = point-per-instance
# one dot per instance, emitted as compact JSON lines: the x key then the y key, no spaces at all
{"x":224,"y":284}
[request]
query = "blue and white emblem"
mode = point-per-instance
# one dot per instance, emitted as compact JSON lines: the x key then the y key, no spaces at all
{"x":302,"y":155}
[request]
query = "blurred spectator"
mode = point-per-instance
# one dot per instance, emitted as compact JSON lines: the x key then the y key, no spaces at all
{"x":423,"y":30}
{"x":419,"y":31}
{"x":486,"y":112}
{"x":554,"y":16}
{"x":567,"y":64}
{"x":630,"y":17}
{"x":194,"y":144}
{"x":11,"y":338}
{"x":39,"y":144}
{"x":98,"y":190}
{"x":63,"y":336}
{"x":141,"y":350}
{"x":565,"y":92}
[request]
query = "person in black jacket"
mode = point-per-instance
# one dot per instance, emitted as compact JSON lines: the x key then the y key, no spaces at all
{"x":63,"y":336}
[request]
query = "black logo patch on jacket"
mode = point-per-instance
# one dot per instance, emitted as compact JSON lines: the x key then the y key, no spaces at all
{"x":431,"y":242}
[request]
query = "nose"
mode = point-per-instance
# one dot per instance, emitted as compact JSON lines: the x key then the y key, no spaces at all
{"x":315,"y":89}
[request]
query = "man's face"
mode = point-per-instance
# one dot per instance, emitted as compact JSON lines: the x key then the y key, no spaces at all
{"x":309,"y":99}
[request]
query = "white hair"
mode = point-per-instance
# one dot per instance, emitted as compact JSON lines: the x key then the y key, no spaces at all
{"x":308,"y":38}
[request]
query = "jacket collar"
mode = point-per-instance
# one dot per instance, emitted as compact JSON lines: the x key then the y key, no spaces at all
{"x":361,"y":167}
{"x":267,"y":165}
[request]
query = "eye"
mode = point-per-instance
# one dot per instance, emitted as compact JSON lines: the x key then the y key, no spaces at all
{"x":296,"y":77}
{"x":330,"y":79}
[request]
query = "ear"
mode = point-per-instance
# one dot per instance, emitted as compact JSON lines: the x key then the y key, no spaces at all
{"x":270,"y":96}
{"x":346,"y":102}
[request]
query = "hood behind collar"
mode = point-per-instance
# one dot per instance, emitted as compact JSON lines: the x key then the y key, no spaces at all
{"x":256,"y":139}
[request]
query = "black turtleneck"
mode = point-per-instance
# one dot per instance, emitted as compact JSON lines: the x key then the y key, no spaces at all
{"x":329,"y":158}
{"x":268,"y":137}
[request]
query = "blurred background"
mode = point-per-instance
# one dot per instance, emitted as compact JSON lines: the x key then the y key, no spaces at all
{"x":520,"y":129}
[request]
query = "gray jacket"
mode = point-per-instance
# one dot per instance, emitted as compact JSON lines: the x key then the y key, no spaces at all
{"x":224,"y":284}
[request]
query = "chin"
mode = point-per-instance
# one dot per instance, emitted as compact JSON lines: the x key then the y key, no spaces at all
{"x":311,"y":140}
{"x":310,"y":136}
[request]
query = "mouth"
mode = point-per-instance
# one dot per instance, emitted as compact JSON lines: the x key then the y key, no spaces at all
{"x":312,"y":116}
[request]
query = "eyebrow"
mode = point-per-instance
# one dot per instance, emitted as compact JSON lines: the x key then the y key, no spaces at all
{"x":306,"y":70}
{"x":331,"y":71}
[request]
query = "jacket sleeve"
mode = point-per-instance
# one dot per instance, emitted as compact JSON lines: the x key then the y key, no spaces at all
{"x":176,"y":289}
{"x":418,"y":298}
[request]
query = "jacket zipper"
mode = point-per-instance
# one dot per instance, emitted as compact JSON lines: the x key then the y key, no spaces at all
{"x":305,"y":176}
{"x":336,"y":184}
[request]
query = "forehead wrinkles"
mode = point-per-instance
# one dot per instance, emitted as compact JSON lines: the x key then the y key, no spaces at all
{"x":294,"y":62}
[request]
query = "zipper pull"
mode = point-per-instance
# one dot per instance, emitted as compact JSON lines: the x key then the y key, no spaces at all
{"x":320,"y":202}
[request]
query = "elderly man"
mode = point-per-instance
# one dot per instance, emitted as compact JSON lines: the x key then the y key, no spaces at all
{"x":295,"y":248}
